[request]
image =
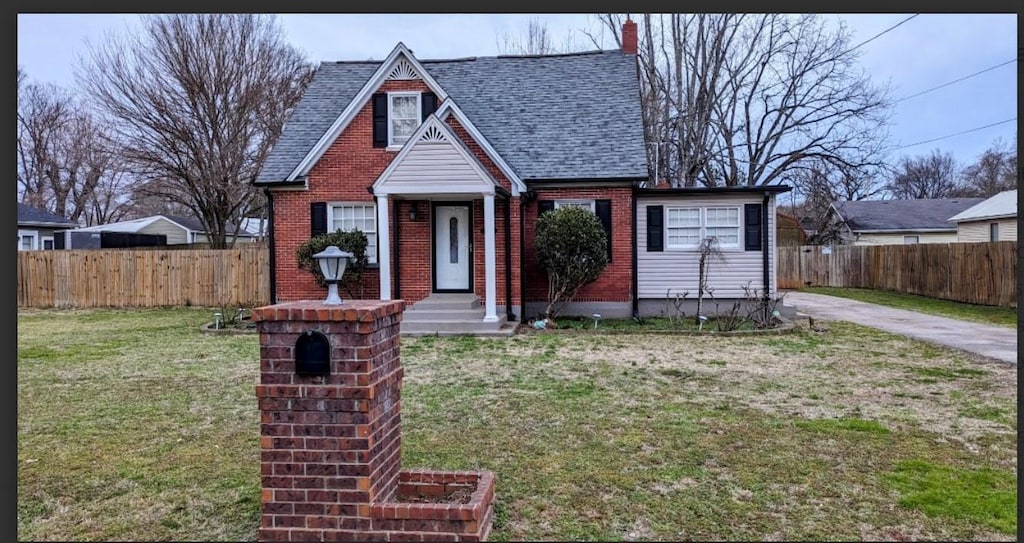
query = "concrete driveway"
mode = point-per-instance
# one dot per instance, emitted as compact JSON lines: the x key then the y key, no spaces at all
{"x":997,"y":342}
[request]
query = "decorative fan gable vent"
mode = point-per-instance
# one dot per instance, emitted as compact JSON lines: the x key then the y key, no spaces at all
{"x":403,"y":70}
{"x":433,"y":134}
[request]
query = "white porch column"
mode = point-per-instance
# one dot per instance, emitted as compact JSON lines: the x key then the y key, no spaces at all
{"x":490,"y":307}
{"x":384,"y":247}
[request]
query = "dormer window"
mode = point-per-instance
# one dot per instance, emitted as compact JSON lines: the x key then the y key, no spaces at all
{"x":397,"y":115}
{"x":404,"y":115}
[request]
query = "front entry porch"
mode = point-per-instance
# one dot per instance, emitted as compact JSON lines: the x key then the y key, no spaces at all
{"x":448,"y":314}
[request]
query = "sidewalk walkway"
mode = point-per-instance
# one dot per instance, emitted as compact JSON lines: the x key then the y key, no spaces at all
{"x":997,"y":342}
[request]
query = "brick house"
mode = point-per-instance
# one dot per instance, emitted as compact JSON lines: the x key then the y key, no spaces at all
{"x":446,"y":164}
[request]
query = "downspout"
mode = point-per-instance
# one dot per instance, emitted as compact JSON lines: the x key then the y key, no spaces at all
{"x":398,"y":267}
{"x":635,"y":280}
{"x":523,"y":197}
{"x":509,"y":315}
{"x":764,"y":252}
{"x":270,"y":246}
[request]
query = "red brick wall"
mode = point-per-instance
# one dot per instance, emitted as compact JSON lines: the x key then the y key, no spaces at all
{"x":615,"y":284}
{"x":343,"y":173}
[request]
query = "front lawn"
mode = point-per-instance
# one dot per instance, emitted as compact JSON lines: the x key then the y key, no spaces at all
{"x":134,"y":425}
{"x":985,"y":314}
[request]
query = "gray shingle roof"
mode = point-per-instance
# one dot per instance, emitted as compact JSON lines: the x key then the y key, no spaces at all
{"x":574,"y":116}
{"x":28,"y":215}
{"x":902,"y":215}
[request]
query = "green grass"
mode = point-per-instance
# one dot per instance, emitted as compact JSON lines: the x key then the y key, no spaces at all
{"x":133,"y":425}
{"x":1003,"y":316}
{"x":984,"y":495}
{"x":658,"y":324}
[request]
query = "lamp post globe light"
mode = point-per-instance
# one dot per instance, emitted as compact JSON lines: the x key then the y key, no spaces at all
{"x":332,"y":264}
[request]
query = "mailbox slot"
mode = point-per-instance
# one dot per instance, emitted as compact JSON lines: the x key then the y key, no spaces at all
{"x":312,"y":354}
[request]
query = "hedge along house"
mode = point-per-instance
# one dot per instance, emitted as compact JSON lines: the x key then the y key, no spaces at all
{"x":446,"y":165}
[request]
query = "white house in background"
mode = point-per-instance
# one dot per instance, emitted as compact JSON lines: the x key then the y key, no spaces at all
{"x":36,"y":227}
{"x":179,"y":230}
{"x":994,"y":219}
{"x":898,"y":222}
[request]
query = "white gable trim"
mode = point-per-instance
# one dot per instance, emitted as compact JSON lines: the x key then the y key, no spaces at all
{"x":449,"y":107}
{"x":434,"y":131}
{"x":383,"y":71}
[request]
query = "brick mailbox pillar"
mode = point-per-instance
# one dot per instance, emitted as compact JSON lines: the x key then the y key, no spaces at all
{"x":330,"y":434}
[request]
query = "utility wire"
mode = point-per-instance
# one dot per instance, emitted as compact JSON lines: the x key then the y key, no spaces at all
{"x":876,"y":36}
{"x":958,"y":133}
{"x":1012,"y":60}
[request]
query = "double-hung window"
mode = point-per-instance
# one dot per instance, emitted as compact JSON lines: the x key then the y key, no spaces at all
{"x":403,"y":116}
{"x":685,"y":227}
{"x":356,"y":216}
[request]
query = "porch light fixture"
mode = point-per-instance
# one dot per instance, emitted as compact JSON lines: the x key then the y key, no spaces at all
{"x":414,"y":211}
{"x":332,"y":264}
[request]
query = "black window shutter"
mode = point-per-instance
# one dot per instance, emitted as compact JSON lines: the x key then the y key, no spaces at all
{"x":428,"y":104}
{"x":317,"y":218}
{"x":58,"y":240}
{"x":655,"y":228}
{"x":603,"y":208}
{"x":752,"y":227}
{"x":546,"y":205}
{"x":380,"y":120}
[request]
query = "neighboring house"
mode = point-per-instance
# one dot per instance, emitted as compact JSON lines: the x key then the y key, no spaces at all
{"x":36,"y":227}
{"x":896,"y":222}
{"x":789,"y":231}
{"x":446,"y":165}
{"x":257,"y":226}
{"x":994,"y":219}
{"x":175,"y":230}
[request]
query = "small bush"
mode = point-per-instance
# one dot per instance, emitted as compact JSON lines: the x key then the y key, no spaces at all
{"x":353,"y":241}
{"x":573,"y":249}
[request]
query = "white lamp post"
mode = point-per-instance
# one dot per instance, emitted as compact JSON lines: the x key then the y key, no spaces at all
{"x":332,"y":265}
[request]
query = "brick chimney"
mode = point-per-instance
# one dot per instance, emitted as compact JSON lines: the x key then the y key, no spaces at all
{"x":629,"y":37}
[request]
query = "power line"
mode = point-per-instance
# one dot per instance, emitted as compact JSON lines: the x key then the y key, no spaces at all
{"x":958,"y":133}
{"x":880,"y":34}
{"x":1012,"y":60}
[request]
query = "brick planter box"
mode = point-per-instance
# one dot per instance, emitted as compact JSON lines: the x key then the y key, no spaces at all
{"x":438,"y":518}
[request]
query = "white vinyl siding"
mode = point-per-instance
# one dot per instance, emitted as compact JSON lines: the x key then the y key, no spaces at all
{"x":435,"y":167}
{"x":175,"y":234}
{"x":403,"y":116}
{"x":974,"y":231}
{"x":911,"y":240}
{"x":896,"y":238}
{"x":675,"y":269}
{"x":352,"y":216}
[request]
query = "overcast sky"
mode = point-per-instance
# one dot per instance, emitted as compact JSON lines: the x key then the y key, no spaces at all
{"x":924,"y":52}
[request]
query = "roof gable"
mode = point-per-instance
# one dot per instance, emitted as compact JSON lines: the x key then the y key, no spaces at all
{"x":1003,"y":204}
{"x":434,"y":149}
{"x":400,"y":64}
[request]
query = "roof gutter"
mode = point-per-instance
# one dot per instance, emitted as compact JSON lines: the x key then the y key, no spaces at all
{"x":270,"y":244}
{"x":635,"y":281}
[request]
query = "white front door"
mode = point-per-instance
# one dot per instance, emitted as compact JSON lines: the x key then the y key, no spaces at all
{"x":452,"y":248}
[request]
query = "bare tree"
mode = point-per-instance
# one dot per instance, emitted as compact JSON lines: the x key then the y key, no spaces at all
{"x":536,"y":40}
{"x":744,"y":99}
{"x":993,"y":172}
{"x":62,"y":151}
{"x":927,"y":176}
{"x":197,"y":101}
{"x":821,"y":183}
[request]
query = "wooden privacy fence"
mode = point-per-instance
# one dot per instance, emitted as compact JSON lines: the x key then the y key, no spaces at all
{"x":150,"y":278}
{"x":977,"y":273}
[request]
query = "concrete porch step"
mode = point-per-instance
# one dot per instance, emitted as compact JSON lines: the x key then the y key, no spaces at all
{"x":431,"y":314}
{"x":468,"y":326}
{"x":456,"y":329}
{"x":438,"y":301}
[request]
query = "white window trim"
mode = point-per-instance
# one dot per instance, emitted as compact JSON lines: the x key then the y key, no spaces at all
{"x":906,"y":241}
{"x":704,"y":226}
{"x":35,"y":239}
{"x":591,"y":203}
{"x":43,"y":240}
{"x":419,"y":108}
{"x":376,"y":227}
